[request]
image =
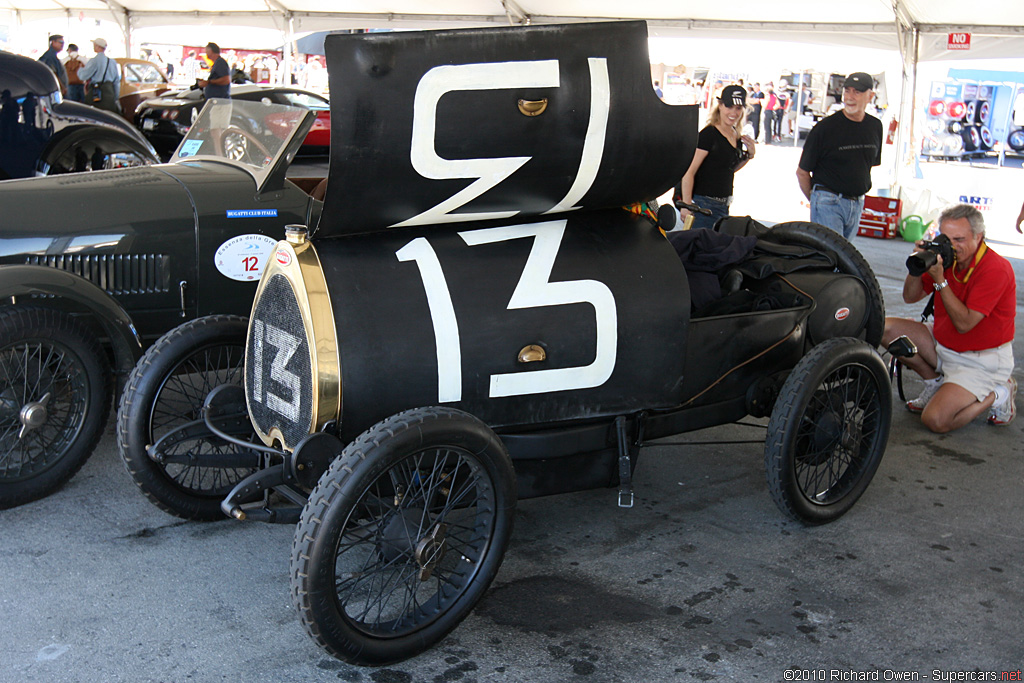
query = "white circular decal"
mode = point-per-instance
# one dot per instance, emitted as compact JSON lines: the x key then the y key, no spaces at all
{"x":244,"y":257}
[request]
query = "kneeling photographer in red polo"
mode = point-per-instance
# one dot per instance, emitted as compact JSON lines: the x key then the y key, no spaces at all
{"x":966,"y":357}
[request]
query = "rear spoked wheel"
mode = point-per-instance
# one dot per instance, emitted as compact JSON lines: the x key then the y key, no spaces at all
{"x":402,"y":535}
{"x":828,"y":431}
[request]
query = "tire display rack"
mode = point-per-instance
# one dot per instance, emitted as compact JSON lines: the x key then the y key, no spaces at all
{"x":959,"y":121}
{"x":1015,"y":135}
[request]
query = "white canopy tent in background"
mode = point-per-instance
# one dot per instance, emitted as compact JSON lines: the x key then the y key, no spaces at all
{"x":997,"y":26}
{"x":916,"y":30}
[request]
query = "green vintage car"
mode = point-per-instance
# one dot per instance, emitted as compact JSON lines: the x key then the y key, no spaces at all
{"x":94,"y":267}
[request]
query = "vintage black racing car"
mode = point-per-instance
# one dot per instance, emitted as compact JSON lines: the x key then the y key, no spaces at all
{"x":95,"y":267}
{"x":475,"y":318}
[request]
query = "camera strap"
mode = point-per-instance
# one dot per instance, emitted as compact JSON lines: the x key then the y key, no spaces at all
{"x":977,"y":259}
{"x":929,"y":308}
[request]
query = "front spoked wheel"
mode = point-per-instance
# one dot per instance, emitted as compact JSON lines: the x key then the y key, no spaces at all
{"x":828,"y":431}
{"x":402,"y":535}
{"x":165,"y":395}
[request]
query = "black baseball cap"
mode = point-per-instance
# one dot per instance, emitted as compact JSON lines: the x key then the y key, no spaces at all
{"x":733,"y":95}
{"x":859,"y":81}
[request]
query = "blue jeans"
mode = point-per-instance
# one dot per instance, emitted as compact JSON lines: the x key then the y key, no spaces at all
{"x":76,"y":92}
{"x":833,"y":211}
{"x":718,"y":210}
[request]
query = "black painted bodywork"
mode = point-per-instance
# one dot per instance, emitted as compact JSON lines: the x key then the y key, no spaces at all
{"x":138,"y":234}
{"x":416,"y":120}
{"x":399,"y":96}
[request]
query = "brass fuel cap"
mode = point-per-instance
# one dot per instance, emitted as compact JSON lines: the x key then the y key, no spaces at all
{"x":296,"y":234}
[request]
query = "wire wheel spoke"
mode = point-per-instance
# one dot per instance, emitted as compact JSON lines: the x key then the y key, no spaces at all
{"x":179,"y":402}
{"x":48,"y":377}
{"x":413,"y":541}
{"x":836,"y":433}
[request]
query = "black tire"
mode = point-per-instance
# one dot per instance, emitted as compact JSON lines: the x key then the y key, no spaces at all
{"x":971,"y":111}
{"x":987,"y":139}
{"x":52,"y":370}
{"x":166,"y":390}
{"x":971,"y":138}
{"x":848,"y":260}
{"x":828,"y":431}
{"x":1016,"y":140}
{"x":376,"y":509}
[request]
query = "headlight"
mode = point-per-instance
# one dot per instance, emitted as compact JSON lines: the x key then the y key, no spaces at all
{"x":292,"y":372}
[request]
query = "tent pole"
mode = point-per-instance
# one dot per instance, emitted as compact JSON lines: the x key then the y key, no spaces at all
{"x":286,"y":58}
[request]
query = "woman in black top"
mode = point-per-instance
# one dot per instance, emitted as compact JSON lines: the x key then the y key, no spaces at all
{"x":721,"y":151}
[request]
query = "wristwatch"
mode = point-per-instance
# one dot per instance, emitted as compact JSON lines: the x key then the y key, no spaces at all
{"x":940,"y":286}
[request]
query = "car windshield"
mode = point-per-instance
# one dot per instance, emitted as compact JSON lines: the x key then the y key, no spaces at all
{"x":301,"y":99}
{"x":250,"y":135}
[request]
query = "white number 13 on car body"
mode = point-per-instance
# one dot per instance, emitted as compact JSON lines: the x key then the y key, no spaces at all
{"x":534,"y":290}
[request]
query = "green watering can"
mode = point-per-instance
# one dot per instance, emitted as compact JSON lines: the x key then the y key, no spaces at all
{"x":913,"y":227}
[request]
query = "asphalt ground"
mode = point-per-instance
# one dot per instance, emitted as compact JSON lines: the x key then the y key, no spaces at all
{"x":703,"y":580}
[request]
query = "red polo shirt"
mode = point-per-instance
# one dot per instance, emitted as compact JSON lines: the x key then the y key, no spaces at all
{"x":990,"y":290}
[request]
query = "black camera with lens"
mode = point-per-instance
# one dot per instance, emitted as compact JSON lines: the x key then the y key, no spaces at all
{"x":920,"y":261}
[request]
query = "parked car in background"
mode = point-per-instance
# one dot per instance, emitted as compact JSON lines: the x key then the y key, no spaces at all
{"x":93,"y":270}
{"x":165,"y":120}
{"x":43,"y":134}
{"x":140,"y":80}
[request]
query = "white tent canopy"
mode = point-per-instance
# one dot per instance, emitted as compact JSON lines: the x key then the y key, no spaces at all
{"x":864,"y":23}
{"x":917,"y":30}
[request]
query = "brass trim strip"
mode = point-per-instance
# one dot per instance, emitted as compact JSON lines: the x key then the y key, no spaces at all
{"x":301,"y":267}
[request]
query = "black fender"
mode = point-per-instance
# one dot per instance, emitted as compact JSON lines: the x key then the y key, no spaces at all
{"x":36,"y":281}
{"x":94,"y":133}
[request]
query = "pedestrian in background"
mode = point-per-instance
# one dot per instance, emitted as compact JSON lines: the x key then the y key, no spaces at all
{"x":73,"y":63}
{"x":218,"y":84}
{"x":722,"y":149}
{"x":781,"y":109}
{"x":50,"y":59}
{"x":754,"y":99}
{"x":770,"y":103}
{"x":104,"y":79}
{"x":834,"y":172}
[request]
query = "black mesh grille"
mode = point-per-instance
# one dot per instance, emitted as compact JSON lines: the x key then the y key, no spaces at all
{"x":278,"y":377}
{"x":117,"y":274}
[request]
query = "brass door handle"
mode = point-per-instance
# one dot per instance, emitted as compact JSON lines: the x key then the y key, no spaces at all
{"x":532,"y":354}
{"x":533,"y":107}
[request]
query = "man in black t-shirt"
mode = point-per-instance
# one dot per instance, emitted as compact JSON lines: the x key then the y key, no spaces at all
{"x":219,"y":82}
{"x":835,"y":168}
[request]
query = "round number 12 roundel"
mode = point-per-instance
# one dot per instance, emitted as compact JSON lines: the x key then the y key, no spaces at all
{"x":244,"y":257}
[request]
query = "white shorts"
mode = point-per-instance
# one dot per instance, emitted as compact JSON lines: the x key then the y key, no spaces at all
{"x":979,"y":372}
